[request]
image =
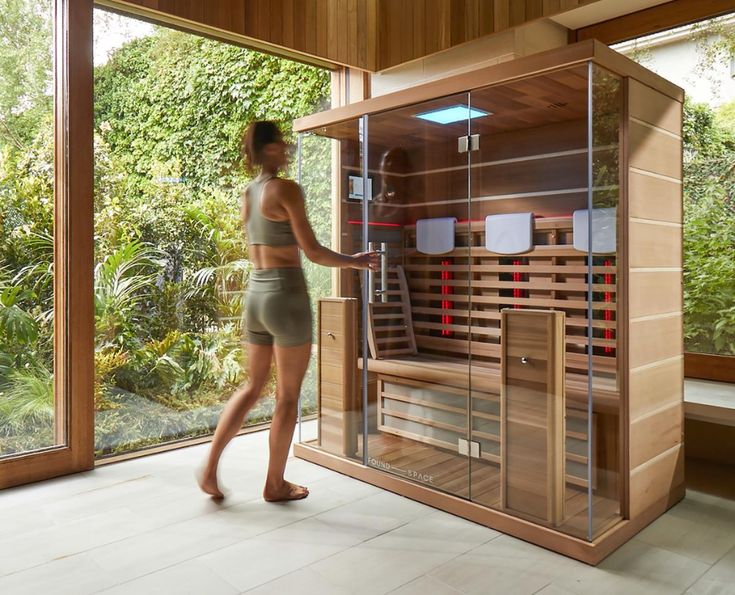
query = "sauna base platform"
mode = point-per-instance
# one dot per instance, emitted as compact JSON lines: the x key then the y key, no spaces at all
{"x":449,"y":473}
{"x":589,"y":552}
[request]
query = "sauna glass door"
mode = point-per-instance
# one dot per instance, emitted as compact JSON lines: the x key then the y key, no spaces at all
{"x":417,"y":305}
{"x":545,"y":404}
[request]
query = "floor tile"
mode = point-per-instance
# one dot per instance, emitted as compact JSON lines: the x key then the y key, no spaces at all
{"x":300,"y":582}
{"x":695,"y":529}
{"x":75,"y":575}
{"x":425,"y":585}
{"x":57,"y":541}
{"x":636,"y":568}
{"x":187,"y":578}
{"x":435,"y":532}
{"x":372,"y":571}
{"x":719,"y":579}
{"x":256,"y":561}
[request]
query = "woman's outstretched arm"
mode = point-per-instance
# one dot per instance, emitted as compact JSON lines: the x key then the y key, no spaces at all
{"x":293,"y":202}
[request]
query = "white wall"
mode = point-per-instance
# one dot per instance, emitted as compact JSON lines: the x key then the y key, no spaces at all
{"x":676,"y":57}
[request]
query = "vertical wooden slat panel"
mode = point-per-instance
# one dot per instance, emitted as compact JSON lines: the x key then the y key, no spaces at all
{"x":419,"y":29}
{"x":321,"y":25}
{"x":473,"y":19}
{"x":517,"y":14}
{"x":534,"y":9}
{"x":235,"y":17}
{"x":264,"y":16}
{"x":434,"y":22}
{"x":408,"y":30}
{"x":372,"y":34}
{"x":486,"y":17}
{"x":288,"y":22}
{"x":332,"y":25}
{"x":250,"y":18}
{"x":352,"y":40}
{"x":275,"y":26}
{"x":310,"y":28}
{"x":342,"y":29}
{"x":457,"y":21}
{"x":299,"y":24}
{"x":502,"y":14}
{"x":397,"y":33}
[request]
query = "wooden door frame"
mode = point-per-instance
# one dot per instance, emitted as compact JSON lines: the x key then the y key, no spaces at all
{"x":73,"y":255}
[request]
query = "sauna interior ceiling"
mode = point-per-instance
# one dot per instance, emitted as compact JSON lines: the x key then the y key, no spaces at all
{"x":555,"y":97}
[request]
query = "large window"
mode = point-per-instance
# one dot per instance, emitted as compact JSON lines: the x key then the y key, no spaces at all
{"x":699,"y":59}
{"x":171,"y":259}
{"x":30,"y":417}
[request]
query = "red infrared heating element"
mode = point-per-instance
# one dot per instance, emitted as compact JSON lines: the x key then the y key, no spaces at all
{"x":517,"y":278}
{"x":375,"y":224}
{"x":608,"y":314}
{"x":446,"y":290}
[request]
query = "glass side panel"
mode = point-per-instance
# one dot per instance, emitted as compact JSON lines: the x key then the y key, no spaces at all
{"x":31,"y":412}
{"x":530,"y":399}
{"x":330,"y":172}
{"x":605,"y":411}
{"x":314,"y":174}
{"x":417,"y":325}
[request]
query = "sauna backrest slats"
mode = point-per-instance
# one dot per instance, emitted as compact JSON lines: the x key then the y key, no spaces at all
{"x":478,"y":315}
{"x":576,"y":304}
{"x":532,"y":285}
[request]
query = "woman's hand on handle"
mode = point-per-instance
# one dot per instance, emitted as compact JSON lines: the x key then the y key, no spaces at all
{"x":366,"y":260}
{"x":293,"y":201}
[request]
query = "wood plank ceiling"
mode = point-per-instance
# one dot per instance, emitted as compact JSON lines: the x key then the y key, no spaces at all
{"x":366,"y":34}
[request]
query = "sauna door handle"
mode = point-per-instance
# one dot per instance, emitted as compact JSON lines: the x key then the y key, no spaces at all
{"x":383,"y":291}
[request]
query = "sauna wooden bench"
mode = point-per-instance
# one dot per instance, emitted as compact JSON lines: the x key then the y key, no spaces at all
{"x":486,"y":378}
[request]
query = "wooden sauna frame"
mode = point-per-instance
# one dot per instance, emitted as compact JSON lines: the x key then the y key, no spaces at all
{"x":648,"y":357}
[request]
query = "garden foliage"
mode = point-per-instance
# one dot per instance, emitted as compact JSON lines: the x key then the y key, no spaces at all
{"x":171,"y":260}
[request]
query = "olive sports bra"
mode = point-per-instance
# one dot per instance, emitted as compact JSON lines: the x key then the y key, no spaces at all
{"x":261,"y":230}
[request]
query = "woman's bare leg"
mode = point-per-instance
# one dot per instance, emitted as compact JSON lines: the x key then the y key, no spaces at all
{"x":230,"y":421}
{"x":291,"y":365}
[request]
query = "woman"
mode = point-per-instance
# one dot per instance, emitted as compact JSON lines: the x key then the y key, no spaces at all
{"x":277,"y":308}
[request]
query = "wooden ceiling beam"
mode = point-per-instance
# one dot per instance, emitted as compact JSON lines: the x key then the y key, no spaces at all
{"x":652,"y":20}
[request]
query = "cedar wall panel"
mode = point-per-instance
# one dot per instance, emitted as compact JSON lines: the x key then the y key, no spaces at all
{"x":654,"y":238}
{"x":367,"y":34}
{"x":411,"y":29}
{"x":341,"y":31}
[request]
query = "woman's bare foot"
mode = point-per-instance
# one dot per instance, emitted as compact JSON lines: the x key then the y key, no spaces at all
{"x":284,"y":492}
{"x":208,"y":484}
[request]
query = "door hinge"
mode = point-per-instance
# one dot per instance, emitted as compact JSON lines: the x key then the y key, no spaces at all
{"x":468,"y":143}
{"x":468,"y":448}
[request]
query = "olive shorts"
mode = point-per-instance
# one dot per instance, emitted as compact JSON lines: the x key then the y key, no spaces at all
{"x":277,"y":308}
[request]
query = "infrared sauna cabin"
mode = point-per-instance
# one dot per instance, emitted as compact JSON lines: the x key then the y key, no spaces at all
{"x":517,"y":359}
